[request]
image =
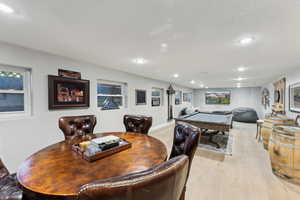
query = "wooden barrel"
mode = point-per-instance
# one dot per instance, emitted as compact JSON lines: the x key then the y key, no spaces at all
{"x":284,"y":150}
{"x":267,"y":126}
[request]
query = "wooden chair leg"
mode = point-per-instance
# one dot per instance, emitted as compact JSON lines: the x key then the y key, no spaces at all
{"x":182,"y":197}
{"x":256,"y":131}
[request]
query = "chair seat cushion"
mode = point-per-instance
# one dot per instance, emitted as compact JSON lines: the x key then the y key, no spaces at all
{"x":9,"y":189}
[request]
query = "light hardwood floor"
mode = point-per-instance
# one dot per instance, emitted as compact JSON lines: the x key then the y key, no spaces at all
{"x":246,"y":175}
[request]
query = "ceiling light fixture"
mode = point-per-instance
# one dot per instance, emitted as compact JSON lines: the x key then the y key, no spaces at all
{"x":192,"y":82}
{"x":175,"y":75}
{"x":6,"y":9}
{"x":241,"y":69}
{"x":239,"y":79}
{"x":238,"y":85}
{"x":164,"y":45}
{"x":246,"y":40}
{"x":140,"y":61}
{"x":202,"y":86}
{"x":206,"y":87}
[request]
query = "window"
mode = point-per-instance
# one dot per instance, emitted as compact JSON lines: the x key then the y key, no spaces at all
{"x":178,"y":95}
{"x":110,"y":95}
{"x":140,"y":97}
{"x":157,"y":97}
{"x":187,"y":97}
{"x":14,"y":90}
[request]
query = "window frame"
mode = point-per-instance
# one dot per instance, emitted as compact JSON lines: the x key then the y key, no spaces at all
{"x":180,"y":100}
{"x":27,"y":90}
{"x":161,"y":96}
{"x":116,"y":83}
{"x":187,"y":93}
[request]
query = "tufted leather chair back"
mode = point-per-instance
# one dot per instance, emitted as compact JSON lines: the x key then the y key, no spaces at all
{"x":137,"y":123}
{"x":3,"y":170}
{"x":164,"y":182}
{"x":185,"y":141}
{"x":75,"y":126}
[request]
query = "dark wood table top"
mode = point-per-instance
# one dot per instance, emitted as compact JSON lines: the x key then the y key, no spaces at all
{"x":57,"y":170}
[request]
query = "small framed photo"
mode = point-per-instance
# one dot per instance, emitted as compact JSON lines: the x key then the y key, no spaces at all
{"x":155,"y":101}
{"x":295,"y":97}
{"x":69,"y":74}
{"x":140,"y":97}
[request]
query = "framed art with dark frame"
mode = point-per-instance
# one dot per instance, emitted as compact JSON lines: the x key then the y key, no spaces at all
{"x":140,"y":97}
{"x":295,"y":97}
{"x":65,"y":93}
{"x":218,"y":97}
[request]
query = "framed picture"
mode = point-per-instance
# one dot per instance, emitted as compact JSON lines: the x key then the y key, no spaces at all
{"x":187,"y":97}
{"x":295,"y":97}
{"x":69,"y":74}
{"x":218,"y":97}
{"x":155,"y":101}
{"x":68,"y":93}
{"x":178,"y":99}
{"x":140,"y":97}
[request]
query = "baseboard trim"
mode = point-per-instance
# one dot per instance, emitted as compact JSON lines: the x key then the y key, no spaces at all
{"x":161,"y":126}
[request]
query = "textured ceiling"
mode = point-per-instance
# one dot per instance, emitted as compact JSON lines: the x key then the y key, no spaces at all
{"x":201,"y":36}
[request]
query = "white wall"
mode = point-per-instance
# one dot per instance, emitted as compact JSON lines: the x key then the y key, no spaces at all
{"x":20,"y":137}
{"x":292,"y":77}
{"x":240,"y":97}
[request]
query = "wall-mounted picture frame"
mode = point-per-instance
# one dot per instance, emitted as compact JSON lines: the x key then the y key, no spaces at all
{"x":155,"y":101}
{"x":178,"y":97}
{"x":140,"y":97}
{"x":187,"y":97}
{"x":294,"y":97}
{"x":66,"y":93}
{"x":69,"y":74}
{"x":218,"y":97}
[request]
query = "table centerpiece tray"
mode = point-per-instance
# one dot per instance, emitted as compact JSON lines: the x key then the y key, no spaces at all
{"x":123,"y":145}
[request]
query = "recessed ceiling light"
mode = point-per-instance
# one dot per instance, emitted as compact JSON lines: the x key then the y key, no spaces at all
{"x":6,"y":9}
{"x":239,"y":79}
{"x":202,"y":86}
{"x":164,"y":45}
{"x":242,"y":69}
{"x":175,"y":75}
{"x":140,"y":61}
{"x":246,"y":40}
{"x":192,"y":82}
{"x":206,"y":87}
{"x":238,"y":85}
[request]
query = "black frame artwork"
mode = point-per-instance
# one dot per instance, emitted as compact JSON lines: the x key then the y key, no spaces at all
{"x":292,"y":89}
{"x":140,"y":97}
{"x":66,"y":93}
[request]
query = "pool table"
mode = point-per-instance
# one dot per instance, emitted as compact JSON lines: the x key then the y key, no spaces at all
{"x":210,"y":124}
{"x":206,"y":120}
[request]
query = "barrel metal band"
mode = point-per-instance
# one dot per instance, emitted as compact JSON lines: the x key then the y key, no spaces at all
{"x":283,"y":144}
{"x":286,"y":136}
{"x":263,"y":126}
{"x":282,"y":165}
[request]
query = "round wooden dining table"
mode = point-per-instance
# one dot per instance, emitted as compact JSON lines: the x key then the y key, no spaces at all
{"x":59,"y":171}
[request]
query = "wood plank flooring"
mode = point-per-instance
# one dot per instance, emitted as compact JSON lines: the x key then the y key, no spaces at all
{"x":246,"y":175}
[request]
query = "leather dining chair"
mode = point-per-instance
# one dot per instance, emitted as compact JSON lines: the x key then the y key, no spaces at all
{"x":9,"y":189}
{"x":74,"y":126}
{"x":137,"y":123}
{"x":164,"y":182}
{"x":185,"y":142}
